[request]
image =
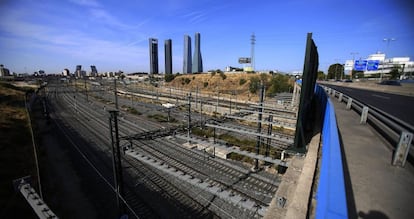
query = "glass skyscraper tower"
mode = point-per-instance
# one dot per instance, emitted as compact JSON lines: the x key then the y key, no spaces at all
{"x":187,"y":55}
{"x":153,"y":52}
{"x":197,"y":60}
{"x":168,"y":56}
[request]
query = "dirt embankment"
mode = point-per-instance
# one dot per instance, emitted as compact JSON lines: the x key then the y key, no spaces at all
{"x":211,"y":83}
{"x":16,"y":152}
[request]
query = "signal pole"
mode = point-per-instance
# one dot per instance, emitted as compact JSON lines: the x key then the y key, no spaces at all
{"x":116,"y":160}
{"x":189,"y":117}
{"x":259,"y":127}
{"x":253,"y":41}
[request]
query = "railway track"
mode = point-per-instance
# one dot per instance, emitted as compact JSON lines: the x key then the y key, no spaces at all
{"x":142,"y":180}
{"x":180,"y":203}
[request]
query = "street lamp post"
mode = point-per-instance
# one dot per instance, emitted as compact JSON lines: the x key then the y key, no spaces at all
{"x":353,"y":62}
{"x":388,"y":40}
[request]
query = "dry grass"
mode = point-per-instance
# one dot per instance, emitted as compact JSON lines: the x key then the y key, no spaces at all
{"x":216,"y":83}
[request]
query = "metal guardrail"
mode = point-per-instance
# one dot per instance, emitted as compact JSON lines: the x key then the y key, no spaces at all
{"x":390,"y":127}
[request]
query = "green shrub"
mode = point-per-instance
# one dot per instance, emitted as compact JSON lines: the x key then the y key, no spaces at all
{"x":242,"y":81}
{"x":254,"y":84}
{"x":187,"y":80}
{"x":169,"y":77}
{"x":223,"y":76}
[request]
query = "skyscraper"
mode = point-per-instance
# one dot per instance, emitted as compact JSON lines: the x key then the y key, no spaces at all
{"x":168,"y":56}
{"x":78,"y":72}
{"x":94,"y":72}
{"x":153,"y":52}
{"x":197,"y":60}
{"x":187,"y":55}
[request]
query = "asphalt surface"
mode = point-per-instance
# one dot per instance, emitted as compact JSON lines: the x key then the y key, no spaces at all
{"x":399,"y":106}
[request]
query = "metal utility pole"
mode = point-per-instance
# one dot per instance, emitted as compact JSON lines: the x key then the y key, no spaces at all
{"x":230,"y":105}
{"x":269,"y":133}
{"x":86,"y":89}
{"x":116,"y":160}
{"x":388,"y":40}
{"x":259,"y":127}
{"x":217,"y":100}
{"x":253,"y":41}
{"x":201,"y":113}
{"x":189,"y":117}
{"x":196,"y":98}
{"x":116,"y":94}
{"x":353,"y":61}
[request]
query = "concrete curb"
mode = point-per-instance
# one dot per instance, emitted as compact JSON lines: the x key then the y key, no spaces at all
{"x":292,"y":198}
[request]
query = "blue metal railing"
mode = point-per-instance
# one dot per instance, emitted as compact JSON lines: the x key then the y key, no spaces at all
{"x":331,"y":195}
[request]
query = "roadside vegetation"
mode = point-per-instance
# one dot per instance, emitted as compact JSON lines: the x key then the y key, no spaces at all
{"x":243,"y":144}
{"x":131,"y":110}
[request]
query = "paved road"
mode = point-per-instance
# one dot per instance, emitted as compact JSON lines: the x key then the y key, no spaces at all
{"x":399,"y":106}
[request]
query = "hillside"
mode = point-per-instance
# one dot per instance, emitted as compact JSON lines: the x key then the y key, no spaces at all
{"x":239,"y":84}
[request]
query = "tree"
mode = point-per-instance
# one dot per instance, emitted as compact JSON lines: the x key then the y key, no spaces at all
{"x":395,"y":73}
{"x":254,"y":84}
{"x":278,"y":84}
{"x":336,"y":71}
{"x":169,"y":77}
{"x":321,"y":75}
{"x":357,"y":74}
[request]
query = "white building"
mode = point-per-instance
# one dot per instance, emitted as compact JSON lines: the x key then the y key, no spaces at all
{"x":386,"y":65}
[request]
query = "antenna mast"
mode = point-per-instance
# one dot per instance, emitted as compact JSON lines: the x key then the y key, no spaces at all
{"x":253,"y":41}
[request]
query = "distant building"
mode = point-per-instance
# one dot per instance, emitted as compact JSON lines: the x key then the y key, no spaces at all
{"x":168,"y":56}
{"x":153,"y":52}
{"x":66,"y":72}
{"x":197,"y":60}
{"x":94,"y":72}
{"x":4,"y":71}
{"x":78,"y":71}
{"x":386,"y":65}
{"x":187,"y":64}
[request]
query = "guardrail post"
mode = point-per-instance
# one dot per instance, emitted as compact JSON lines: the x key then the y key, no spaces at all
{"x":364,"y":115}
{"x":340,"y":97}
{"x":349,"y":103}
{"x":401,"y":153}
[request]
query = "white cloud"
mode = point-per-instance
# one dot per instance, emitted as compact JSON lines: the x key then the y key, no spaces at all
{"x":49,"y":43}
{"x":89,"y":3}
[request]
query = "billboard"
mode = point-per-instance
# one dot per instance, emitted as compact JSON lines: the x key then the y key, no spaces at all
{"x":360,"y":65}
{"x":244,"y":60}
{"x":372,"y":65}
{"x":349,"y":65}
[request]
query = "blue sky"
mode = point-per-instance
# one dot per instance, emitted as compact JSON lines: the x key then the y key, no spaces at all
{"x":113,"y":35}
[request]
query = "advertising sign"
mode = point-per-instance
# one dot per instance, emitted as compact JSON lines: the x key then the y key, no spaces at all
{"x":245,"y":60}
{"x":372,"y":65}
{"x":360,"y":65}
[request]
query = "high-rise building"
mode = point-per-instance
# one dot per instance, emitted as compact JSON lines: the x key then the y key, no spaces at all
{"x":94,"y":71}
{"x":153,"y":52}
{"x":168,"y":56}
{"x":187,"y":55}
{"x":78,"y":71}
{"x":197,"y":60}
{"x":4,"y":71}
